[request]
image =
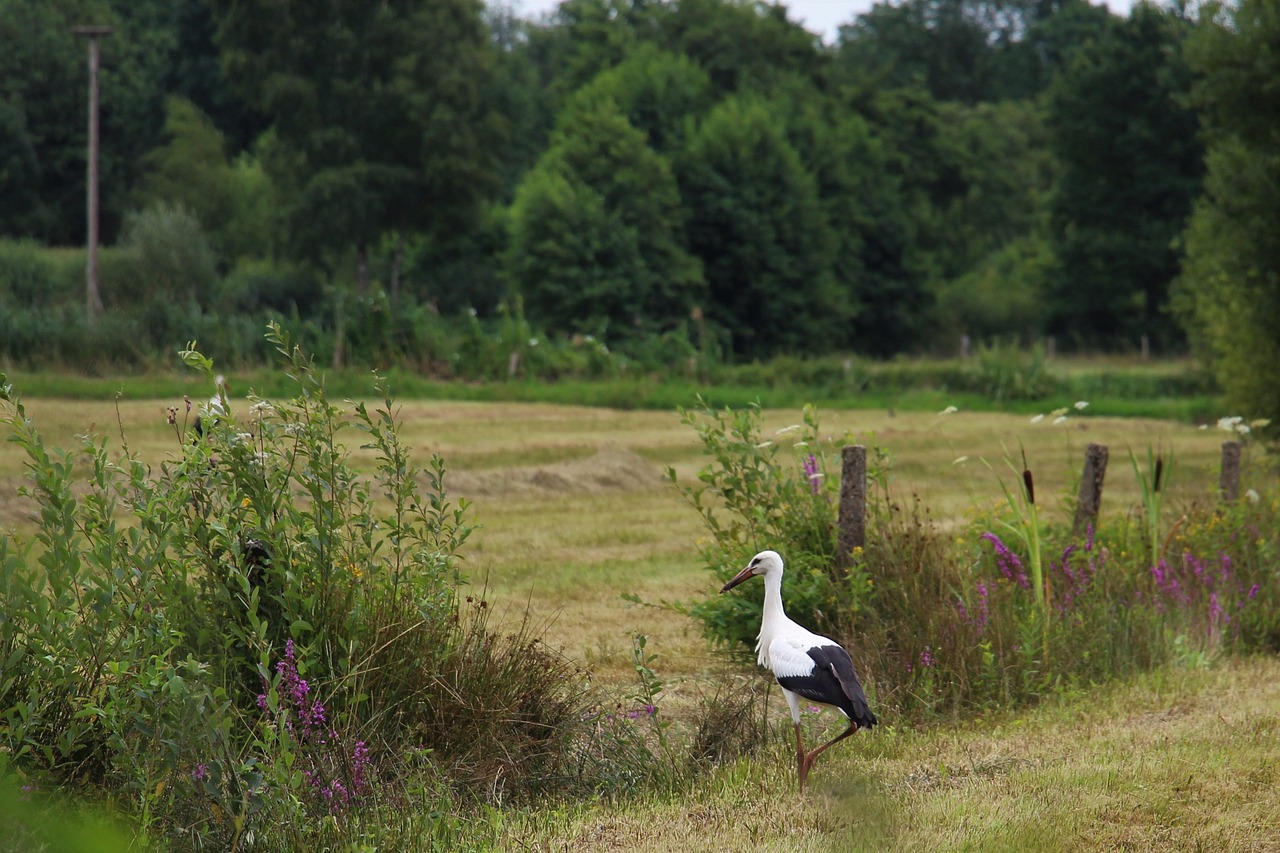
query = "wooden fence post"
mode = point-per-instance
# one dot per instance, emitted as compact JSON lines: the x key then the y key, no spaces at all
{"x":852,"y":518}
{"x":1229,"y":482}
{"x":1090,"y":500}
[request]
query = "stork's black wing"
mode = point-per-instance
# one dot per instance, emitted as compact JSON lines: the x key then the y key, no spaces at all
{"x":832,"y":681}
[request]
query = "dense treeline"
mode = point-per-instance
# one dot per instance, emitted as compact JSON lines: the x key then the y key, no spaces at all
{"x":670,"y":180}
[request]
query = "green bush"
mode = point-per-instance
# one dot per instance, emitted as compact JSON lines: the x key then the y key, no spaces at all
{"x":758,"y":493}
{"x":1004,"y":372}
{"x":26,"y":274}
{"x":172,"y":258}
{"x":254,"y":638}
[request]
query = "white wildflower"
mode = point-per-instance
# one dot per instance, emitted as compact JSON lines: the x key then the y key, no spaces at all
{"x":1081,"y":405}
{"x":293,"y":429}
{"x":1259,"y":423}
{"x":1253,"y":496}
{"x":1037,"y":419}
{"x":949,"y":410}
{"x":1059,"y":419}
{"x":1243,"y":429}
{"x":533,"y":342}
{"x":762,"y":445}
{"x":1057,"y":413}
{"x":787,"y":429}
{"x":1229,"y":424}
{"x":262,"y":407}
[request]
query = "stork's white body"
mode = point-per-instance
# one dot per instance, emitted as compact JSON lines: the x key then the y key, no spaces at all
{"x":807,"y":665}
{"x":783,"y":645}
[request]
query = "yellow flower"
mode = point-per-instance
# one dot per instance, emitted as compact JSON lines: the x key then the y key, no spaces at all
{"x":246,"y":503}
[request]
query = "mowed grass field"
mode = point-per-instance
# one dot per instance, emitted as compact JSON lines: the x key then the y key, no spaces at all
{"x":575,"y":512}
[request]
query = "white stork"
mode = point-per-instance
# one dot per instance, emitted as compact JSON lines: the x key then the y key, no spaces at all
{"x":216,"y":406}
{"x":805,"y":664}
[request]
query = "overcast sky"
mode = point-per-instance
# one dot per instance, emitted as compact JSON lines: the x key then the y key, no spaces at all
{"x":820,"y":16}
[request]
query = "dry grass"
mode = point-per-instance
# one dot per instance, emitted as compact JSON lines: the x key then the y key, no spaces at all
{"x":1181,"y":760}
{"x":575,"y":513}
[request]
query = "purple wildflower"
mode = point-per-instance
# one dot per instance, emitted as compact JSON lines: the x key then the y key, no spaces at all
{"x":1007,"y":561}
{"x":1196,"y":565}
{"x":1253,"y":590}
{"x":1217,"y":614}
{"x":926,"y":657}
{"x":200,"y":772}
{"x":359,"y":767}
{"x":811,"y":473}
{"x":983,"y":607}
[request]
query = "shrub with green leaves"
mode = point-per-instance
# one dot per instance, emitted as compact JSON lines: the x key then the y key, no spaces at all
{"x":1004,"y":372}
{"x":774,"y":492}
{"x":172,"y":258}
{"x":254,"y":636}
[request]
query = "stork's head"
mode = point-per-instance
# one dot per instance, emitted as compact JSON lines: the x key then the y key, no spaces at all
{"x":761,"y":564}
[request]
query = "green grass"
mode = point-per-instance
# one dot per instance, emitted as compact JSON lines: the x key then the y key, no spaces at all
{"x":1178,"y":760}
{"x":575,"y":513}
{"x":1119,"y":388}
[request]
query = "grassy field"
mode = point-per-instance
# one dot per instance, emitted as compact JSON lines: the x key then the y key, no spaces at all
{"x":575,"y":512}
{"x":1179,"y":760}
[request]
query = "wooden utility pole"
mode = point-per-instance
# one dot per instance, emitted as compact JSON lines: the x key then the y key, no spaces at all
{"x":93,"y":295}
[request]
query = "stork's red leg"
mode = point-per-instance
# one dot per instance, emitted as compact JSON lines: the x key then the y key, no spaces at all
{"x":802,"y":769}
{"x":807,"y":760}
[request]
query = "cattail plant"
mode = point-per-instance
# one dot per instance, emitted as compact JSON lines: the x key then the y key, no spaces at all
{"x":1154,"y":480}
{"x":1026,"y":525}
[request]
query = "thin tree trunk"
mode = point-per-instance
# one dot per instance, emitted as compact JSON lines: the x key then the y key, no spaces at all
{"x":396,"y":264}
{"x":339,"y":331}
{"x":362,"y":268}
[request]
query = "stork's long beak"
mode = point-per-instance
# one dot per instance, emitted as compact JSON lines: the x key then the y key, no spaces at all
{"x":737,"y":579}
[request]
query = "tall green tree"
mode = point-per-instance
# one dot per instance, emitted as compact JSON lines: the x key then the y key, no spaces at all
{"x":657,"y":91}
{"x":743,"y":46}
{"x":375,"y":110}
{"x":907,"y":246}
{"x":228,"y":197}
{"x":1228,"y":296}
{"x":596,"y":232}
{"x":1131,"y":164}
{"x":969,"y":51}
{"x":756,"y":221}
{"x":589,"y":36}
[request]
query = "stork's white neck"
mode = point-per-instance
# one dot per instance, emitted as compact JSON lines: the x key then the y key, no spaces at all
{"x":773,"y":618}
